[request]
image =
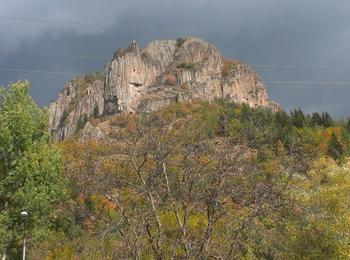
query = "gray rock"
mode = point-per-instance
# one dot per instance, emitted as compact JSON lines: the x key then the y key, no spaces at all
{"x":90,"y":132}
{"x":79,"y":101}
{"x":147,"y":79}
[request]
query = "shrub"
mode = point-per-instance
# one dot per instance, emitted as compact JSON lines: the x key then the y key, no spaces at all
{"x":91,"y":77}
{"x":180,"y":41}
{"x":185,"y":65}
{"x":82,"y":122}
{"x":228,"y":64}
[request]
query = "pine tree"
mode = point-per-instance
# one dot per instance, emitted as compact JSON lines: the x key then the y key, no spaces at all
{"x":335,"y":149}
{"x":298,"y":118}
{"x":316,"y":119}
{"x":348,"y":125}
{"x":326,"y":120}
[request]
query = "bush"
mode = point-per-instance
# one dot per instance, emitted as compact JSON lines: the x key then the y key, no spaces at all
{"x":185,"y":65}
{"x":82,"y":122}
{"x":91,"y":77}
{"x":180,"y":41}
{"x":228,"y":64}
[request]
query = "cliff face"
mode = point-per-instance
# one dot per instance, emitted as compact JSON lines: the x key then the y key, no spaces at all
{"x":81,"y":99}
{"x":146,"y":79}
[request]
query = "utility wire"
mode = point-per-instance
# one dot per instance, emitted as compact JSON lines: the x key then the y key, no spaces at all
{"x":49,"y":21}
{"x":277,"y":66}
{"x":62,"y":55}
{"x":304,"y":83}
{"x":281,"y":83}
{"x":268,"y":35}
{"x":40,"y":71}
{"x":272,"y":66}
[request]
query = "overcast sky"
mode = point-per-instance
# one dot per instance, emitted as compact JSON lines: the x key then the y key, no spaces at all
{"x":312,"y":38}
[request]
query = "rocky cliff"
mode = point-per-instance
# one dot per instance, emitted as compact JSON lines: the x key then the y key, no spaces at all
{"x":146,"y":79}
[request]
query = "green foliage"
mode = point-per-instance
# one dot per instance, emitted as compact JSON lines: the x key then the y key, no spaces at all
{"x":190,"y":181}
{"x":180,"y":41}
{"x":96,"y":111}
{"x":319,"y":227}
{"x":93,"y":76}
{"x":347,"y":127}
{"x":324,"y":120}
{"x":298,"y":118}
{"x":82,"y":122}
{"x":29,"y":169}
{"x":64,"y":117}
{"x":185,"y":65}
{"x":239,"y":175}
{"x":335,"y":149}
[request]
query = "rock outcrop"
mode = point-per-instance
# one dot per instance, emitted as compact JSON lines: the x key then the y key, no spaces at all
{"x":146,"y":79}
{"x":91,"y":132}
{"x":81,"y":99}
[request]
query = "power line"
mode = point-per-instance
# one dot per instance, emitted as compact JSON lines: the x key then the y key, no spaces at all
{"x":299,"y":67}
{"x":280,"y":35}
{"x":49,"y":21}
{"x":284,"y":83}
{"x":340,"y":83}
{"x":36,"y":20}
{"x":277,"y":66}
{"x":267,"y":35}
{"x":40,"y":71}
{"x":62,"y":55}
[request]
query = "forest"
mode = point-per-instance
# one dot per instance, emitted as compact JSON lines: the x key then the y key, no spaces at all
{"x":191,"y":181}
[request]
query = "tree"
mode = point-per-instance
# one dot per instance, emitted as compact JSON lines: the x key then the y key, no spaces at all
{"x":29,"y":169}
{"x":347,"y":127}
{"x":319,"y":225}
{"x":205,"y":181}
{"x":326,"y":120}
{"x":180,"y":41}
{"x":298,"y":118}
{"x":316,"y":119}
{"x":171,"y":190}
{"x":335,"y":149}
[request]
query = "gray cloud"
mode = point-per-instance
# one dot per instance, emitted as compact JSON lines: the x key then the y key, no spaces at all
{"x":313,"y":32}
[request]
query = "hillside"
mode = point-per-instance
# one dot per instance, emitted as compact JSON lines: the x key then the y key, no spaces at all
{"x":141,"y":80}
{"x":216,"y":180}
{"x":197,"y":180}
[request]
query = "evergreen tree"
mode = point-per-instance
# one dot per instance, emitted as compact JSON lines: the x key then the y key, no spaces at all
{"x":316,"y":119}
{"x":281,"y":119}
{"x":348,"y":125}
{"x":326,"y":120}
{"x":335,"y":149}
{"x":297,"y":118}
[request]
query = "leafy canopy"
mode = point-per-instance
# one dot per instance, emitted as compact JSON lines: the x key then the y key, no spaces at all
{"x":29,"y":168}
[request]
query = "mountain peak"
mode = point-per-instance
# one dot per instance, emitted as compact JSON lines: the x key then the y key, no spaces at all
{"x":164,"y":72}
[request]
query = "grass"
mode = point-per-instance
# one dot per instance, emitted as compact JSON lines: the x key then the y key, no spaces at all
{"x":228,"y":64}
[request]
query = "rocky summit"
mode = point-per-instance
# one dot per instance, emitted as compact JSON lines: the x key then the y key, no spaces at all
{"x":164,"y":72}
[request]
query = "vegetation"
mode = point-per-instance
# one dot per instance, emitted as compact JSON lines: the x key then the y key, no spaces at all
{"x":180,"y":41}
{"x":82,"y":122}
{"x":201,"y":181}
{"x":30,"y":177}
{"x":209,"y":180}
{"x":120,"y":52}
{"x":185,"y":65}
{"x":228,"y":64}
{"x":92,"y":77}
{"x":80,"y":85}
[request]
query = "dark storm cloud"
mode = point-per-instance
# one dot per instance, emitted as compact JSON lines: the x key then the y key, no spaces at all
{"x":301,"y":33}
